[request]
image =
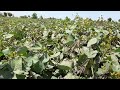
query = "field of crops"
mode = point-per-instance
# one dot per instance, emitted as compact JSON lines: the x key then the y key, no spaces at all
{"x":59,"y":48}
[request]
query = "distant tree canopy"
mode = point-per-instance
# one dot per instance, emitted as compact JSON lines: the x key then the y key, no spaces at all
{"x":67,"y":18}
{"x":5,"y":14}
{"x":109,"y":19}
{"x":41,"y":17}
{"x":10,"y":14}
{"x":34,"y":16}
{"x":119,"y":20}
{"x":28,"y":16}
{"x":1,"y":15}
{"x":23,"y":16}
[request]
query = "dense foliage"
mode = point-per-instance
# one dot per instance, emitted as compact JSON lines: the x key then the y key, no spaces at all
{"x":59,"y":48}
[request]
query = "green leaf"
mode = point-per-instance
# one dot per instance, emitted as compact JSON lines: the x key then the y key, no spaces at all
{"x":55,"y":55}
{"x":100,"y":71}
{"x":16,"y":64}
{"x":118,"y":35}
{"x":28,"y":44}
{"x":61,"y":56}
{"x":50,"y":66}
{"x":14,"y":77}
{"x":6,"y":51}
{"x":45,"y":33}
{"x":91,"y":42}
{"x":1,"y":76}
{"x":85,"y":50}
{"x":34,"y":59}
{"x":69,"y":31}
{"x":92,"y":54}
{"x":107,"y":65}
{"x":46,"y":58}
{"x":65,"y":65}
{"x":105,"y":32}
{"x":105,"y":68}
{"x":8,"y":35}
{"x":117,"y":50}
{"x":114,"y":58}
{"x":82,"y":58}
{"x":18,"y":34}
{"x":22,"y":51}
{"x":35,"y":48}
{"x":1,"y":54}
{"x":20,"y":76}
{"x":70,"y":39}
{"x":53,"y":77}
{"x":70,"y":76}
{"x":19,"y":72}
{"x":1,"y":65}
{"x":89,"y":52}
{"x":29,"y":61}
{"x":38,"y":67}
{"x":5,"y":74}
{"x":116,"y":68}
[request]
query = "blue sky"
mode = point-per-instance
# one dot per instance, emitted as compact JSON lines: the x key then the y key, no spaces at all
{"x":115,"y":15}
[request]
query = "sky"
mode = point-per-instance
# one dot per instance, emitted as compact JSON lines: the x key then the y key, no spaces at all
{"x":115,"y":15}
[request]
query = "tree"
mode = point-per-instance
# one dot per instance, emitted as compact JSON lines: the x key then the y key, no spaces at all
{"x":10,"y":14}
{"x":41,"y":17}
{"x":119,"y":20}
{"x":5,"y":14}
{"x":28,"y":16}
{"x":34,"y":16}
{"x":109,"y":19}
{"x":1,"y":15}
{"x":67,"y":18}
{"x":23,"y":16}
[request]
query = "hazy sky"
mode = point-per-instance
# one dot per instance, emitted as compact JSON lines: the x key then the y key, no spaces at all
{"x":115,"y":15}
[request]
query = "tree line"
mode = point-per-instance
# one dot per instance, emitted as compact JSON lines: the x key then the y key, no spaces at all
{"x":6,"y":14}
{"x":34,"y":16}
{"x":9,"y":14}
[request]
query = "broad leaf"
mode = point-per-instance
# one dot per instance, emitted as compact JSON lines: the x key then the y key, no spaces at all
{"x":6,"y":51}
{"x":38,"y":67}
{"x":70,"y":76}
{"x":20,"y":76}
{"x":19,"y":72}
{"x":70,"y":40}
{"x":22,"y":51}
{"x":117,"y":50}
{"x":1,"y":54}
{"x":69,"y":31}
{"x":46,"y":58}
{"x":89,"y":52}
{"x":91,"y":42}
{"x":92,"y":54}
{"x":55,"y":55}
{"x":16,"y":64}
{"x":65,"y":65}
{"x":8,"y":35}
